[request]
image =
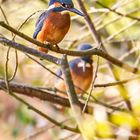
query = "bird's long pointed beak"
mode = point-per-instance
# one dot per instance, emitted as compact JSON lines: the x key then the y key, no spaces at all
{"x":74,"y":10}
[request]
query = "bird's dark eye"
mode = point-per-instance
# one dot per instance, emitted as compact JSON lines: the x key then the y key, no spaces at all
{"x":63,"y":4}
{"x":67,"y":5}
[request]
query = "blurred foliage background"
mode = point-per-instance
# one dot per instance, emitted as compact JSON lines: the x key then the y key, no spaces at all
{"x":120,"y":35}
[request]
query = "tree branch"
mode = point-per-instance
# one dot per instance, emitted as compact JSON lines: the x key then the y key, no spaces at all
{"x":28,"y":50}
{"x":74,"y":102}
{"x":90,"y":24}
{"x":43,"y":95}
{"x":117,"y":82}
{"x":69,"y":83}
{"x":55,"y":60}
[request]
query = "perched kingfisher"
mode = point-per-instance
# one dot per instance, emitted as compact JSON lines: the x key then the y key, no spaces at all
{"x":81,"y":69}
{"x":54,"y":23}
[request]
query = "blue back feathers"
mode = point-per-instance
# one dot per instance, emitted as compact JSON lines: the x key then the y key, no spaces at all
{"x":39,"y":23}
{"x":42,"y":18}
{"x":38,"y":28}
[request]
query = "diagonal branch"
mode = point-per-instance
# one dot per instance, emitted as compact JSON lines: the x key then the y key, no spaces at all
{"x":118,"y":13}
{"x":89,"y":23}
{"x":69,"y":83}
{"x":28,"y":50}
{"x":94,"y":51}
{"x":97,"y":37}
{"x":73,"y":98}
{"x":116,"y":83}
{"x":35,"y":92}
{"x":59,"y":124}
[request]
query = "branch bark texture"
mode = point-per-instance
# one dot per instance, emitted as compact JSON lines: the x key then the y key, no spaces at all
{"x":94,"y":51}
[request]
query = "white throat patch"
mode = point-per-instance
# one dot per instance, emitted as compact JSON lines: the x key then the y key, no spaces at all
{"x":84,"y":65}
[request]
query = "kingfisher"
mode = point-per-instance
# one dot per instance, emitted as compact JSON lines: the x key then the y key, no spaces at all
{"x":81,"y":69}
{"x":53,"y":24}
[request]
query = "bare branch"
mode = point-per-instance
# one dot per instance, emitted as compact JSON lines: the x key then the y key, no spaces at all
{"x":36,"y":92}
{"x":118,"y":13}
{"x":69,"y":83}
{"x":90,"y":24}
{"x":116,"y":83}
{"x":74,"y":102}
{"x":92,"y":86}
{"x":30,"y":51}
{"x":55,"y":60}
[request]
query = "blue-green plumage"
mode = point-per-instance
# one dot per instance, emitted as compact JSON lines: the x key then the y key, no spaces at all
{"x":52,"y":25}
{"x":40,"y":22}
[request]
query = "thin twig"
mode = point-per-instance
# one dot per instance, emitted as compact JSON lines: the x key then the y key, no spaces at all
{"x":43,"y":66}
{"x":39,"y":131}
{"x":121,"y":30}
{"x":59,"y":124}
{"x":4,"y":15}
{"x":115,"y":19}
{"x":92,"y":86}
{"x":8,"y":51}
{"x":91,"y":26}
{"x":118,"y":13}
{"x":42,"y":130}
{"x":133,"y":50}
{"x":16,"y":67}
{"x":26,"y":21}
{"x":116,"y":83}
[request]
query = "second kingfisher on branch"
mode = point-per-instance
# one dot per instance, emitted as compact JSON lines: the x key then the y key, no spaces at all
{"x":81,"y":69}
{"x":54,"y":23}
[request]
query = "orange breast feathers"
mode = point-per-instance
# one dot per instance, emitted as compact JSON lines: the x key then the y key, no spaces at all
{"x":81,"y":80}
{"x":55,"y":27}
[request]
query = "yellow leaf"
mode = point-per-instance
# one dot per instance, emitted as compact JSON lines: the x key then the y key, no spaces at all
{"x":122,"y":118}
{"x":103,"y":129}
